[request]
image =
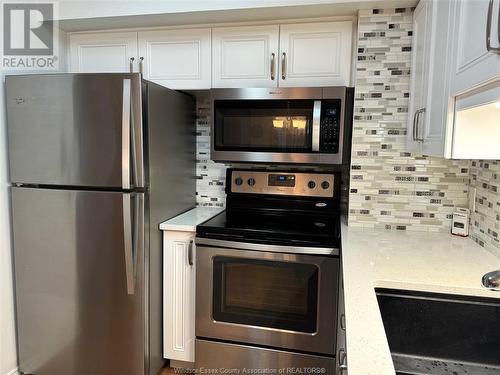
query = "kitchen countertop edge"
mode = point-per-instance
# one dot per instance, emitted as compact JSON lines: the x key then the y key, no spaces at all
{"x":187,"y":221}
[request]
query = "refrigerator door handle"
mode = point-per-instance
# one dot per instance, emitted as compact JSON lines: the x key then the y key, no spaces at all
{"x":127,"y":91}
{"x":128,"y":242}
{"x":138,"y":226}
{"x":137,"y":140}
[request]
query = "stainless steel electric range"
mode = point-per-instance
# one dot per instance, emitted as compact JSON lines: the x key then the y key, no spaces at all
{"x":268,"y":274}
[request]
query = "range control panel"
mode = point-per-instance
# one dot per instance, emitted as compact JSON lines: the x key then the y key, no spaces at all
{"x":283,"y":183}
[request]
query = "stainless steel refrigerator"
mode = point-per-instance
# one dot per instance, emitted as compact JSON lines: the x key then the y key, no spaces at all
{"x":97,"y":161}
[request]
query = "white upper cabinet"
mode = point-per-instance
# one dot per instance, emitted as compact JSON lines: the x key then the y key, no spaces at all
{"x":289,"y":55}
{"x":103,"y":52}
{"x":245,"y":56}
{"x":429,"y":122}
{"x":455,"y":83}
{"x":293,"y":55}
{"x":422,"y":27}
{"x":178,"y":59}
{"x":475,"y":63}
{"x":315,"y":54}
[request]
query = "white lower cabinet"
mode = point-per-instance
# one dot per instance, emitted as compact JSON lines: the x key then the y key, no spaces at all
{"x":179,"y":295}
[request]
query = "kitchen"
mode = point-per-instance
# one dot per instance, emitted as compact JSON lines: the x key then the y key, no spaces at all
{"x":423,"y":73}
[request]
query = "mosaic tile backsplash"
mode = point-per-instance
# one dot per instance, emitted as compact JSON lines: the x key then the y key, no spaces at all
{"x":485,"y":219}
{"x":210,"y":176}
{"x":391,"y":188}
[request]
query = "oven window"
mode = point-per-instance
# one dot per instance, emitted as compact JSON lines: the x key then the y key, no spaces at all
{"x":263,"y":125}
{"x":265,"y":293}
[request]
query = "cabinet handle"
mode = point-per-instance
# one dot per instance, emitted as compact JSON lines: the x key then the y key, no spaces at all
{"x":190,"y":253}
{"x":141,"y":59}
{"x":131,"y":63}
{"x":283,"y":65}
{"x":414,"y":126}
{"x":273,"y":66}
{"x":488,"y":29}
{"x":419,"y":112}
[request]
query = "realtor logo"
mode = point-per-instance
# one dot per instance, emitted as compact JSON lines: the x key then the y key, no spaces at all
{"x":29,"y":36}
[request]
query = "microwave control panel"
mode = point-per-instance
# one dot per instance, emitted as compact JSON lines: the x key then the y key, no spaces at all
{"x":330,"y":126}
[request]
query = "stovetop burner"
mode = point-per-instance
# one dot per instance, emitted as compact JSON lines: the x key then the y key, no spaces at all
{"x":278,"y":208}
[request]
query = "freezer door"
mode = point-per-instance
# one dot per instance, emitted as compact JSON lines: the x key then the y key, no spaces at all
{"x":76,"y":129}
{"x":79,"y":275}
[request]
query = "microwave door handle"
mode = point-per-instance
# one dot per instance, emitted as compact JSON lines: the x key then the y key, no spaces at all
{"x":316,"y":125}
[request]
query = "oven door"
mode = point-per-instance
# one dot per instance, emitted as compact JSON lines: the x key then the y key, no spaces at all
{"x":277,"y":300}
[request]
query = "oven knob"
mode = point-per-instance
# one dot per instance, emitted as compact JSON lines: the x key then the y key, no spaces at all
{"x":251,"y":181}
{"x":325,"y":184}
{"x":238,"y":181}
{"x":311,"y":184}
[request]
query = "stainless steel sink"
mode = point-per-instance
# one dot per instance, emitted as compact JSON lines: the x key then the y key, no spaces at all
{"x":441,"y":334}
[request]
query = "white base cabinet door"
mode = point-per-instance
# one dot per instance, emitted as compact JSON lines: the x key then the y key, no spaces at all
{"x":245,"y":56}
{"x":315,"y":54}
{"x":103,"y":52}
{"x":177,"y":59}
{"x":179,"y":295}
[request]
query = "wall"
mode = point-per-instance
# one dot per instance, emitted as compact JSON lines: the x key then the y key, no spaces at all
{"x":485,"y":219}
{"x":390,"y":187}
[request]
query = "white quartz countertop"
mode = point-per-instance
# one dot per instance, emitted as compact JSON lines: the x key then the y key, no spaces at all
{"x":430,"y":262}
{"x":188,"y":221}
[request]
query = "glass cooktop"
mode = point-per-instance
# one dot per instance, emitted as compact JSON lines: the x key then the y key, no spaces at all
{"x":286,"y":229}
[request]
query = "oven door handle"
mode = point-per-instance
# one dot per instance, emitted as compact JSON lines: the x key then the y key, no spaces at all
{"x":304,"y":250}
{"x":316,"y":126}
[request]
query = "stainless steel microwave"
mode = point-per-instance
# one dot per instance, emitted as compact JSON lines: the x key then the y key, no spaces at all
{"x":282,"y":125}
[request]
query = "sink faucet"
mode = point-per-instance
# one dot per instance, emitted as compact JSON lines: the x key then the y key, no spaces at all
{"x":492,"y":280}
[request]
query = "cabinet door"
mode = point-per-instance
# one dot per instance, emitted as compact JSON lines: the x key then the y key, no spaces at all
{"x":436,"y":123}
{"x":315,"y":54}
{"x":103,"y":52}
{"x":245,"y":56}
{"x":179,"y":295}
{"x":474,"y":64}
{"x":419,"y":73}
{"x":178,"y":59}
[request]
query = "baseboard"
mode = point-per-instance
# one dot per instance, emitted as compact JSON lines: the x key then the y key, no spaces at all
{"x":13,"y":372}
